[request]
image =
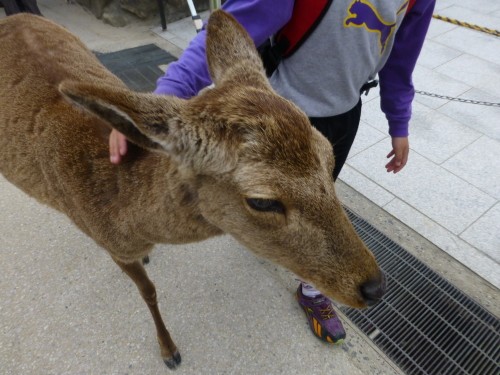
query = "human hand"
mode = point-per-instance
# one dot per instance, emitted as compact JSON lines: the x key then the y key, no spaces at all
{"x":400,"y":150}
{"x":117,"y":146}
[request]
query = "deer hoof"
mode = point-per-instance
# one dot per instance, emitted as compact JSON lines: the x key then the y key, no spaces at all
{"x":174,"y":362}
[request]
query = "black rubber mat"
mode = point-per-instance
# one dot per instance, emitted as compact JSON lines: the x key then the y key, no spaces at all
{"x":137,"y":67}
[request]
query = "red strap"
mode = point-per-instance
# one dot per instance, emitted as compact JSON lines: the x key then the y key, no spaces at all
{"x":410,"y":5}
{"x":305,"y":14}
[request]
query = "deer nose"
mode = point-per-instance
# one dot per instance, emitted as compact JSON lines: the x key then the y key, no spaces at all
{"x":373,"y":290}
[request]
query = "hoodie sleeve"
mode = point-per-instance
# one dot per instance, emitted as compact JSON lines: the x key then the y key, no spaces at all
{"x":261,"y":18}
{"x":396,"y":86}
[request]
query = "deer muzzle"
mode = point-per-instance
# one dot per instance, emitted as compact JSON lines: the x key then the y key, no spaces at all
{"x":373,"y":290}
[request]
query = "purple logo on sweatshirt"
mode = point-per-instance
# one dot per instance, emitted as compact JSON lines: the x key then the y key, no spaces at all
{"x":363,"y":14}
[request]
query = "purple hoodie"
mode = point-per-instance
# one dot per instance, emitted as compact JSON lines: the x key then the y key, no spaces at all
{"x":263,"y":18}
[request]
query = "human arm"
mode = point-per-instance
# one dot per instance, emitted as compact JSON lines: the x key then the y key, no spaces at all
{"x":261,"y":19}
{"x":396,"y":86}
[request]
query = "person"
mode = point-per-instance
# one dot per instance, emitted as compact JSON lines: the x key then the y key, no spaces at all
{"x":20,"y":6}
{"x":355,"y":41}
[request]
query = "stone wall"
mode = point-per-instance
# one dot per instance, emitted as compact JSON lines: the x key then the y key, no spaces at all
{"x":122,"y":12}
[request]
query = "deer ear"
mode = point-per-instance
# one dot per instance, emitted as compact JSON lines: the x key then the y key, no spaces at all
{"x":157,"y":123}
{"x":143,"y":118}
{"x":229,"y":46}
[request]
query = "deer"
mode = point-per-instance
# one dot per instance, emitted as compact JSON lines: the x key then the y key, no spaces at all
{"x":236,"y":159}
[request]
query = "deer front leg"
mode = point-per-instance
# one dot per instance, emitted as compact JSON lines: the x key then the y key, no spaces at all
{"x":138,"y":274}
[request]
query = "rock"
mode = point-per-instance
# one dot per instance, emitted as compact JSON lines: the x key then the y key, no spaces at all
{"x":114,"y":19}
{"x":115,"y":16}
{"x":141,"y":8}
{"x":95,"y":6}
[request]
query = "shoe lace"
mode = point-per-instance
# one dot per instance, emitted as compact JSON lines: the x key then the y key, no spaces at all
{"x":327,"y":312}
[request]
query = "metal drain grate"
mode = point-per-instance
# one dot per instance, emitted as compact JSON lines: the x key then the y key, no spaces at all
{"x":424,"y":323}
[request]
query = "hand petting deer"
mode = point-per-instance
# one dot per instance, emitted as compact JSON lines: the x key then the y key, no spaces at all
{"x":238,"y":159}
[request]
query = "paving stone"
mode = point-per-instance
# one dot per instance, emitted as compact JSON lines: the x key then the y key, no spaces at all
{"x":484,"y":234}
{"x":473,"y":71}
{"x":365,"y":137}
{"x":427,"y":80}
{"x":447,"y":241}
{"x":439,"y":27}
{"x":438,"y":137}
{"x":479,"y":6}
{"x":435,"y":54}
{"x":429,"y":188}
{"x":472,"y":42}
{"x":443,"y":4}
{"x":481,"y":118}
{"x":479,"y":164}
{"x":365,"y":186}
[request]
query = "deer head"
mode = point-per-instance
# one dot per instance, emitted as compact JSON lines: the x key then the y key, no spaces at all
{"x":262,"y":173}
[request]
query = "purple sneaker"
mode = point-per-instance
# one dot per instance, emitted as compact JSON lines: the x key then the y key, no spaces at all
{"x":323,"y":320}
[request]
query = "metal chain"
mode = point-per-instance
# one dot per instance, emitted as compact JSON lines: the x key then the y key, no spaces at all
{"x":475,"y":27}
{"x":457,"y":99}
{"x":465,"y":24}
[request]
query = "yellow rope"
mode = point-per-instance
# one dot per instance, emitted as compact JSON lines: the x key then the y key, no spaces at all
{"x":475,"y":27}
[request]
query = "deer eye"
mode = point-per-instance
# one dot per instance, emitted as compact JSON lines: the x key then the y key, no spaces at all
{"x":266,"y":205}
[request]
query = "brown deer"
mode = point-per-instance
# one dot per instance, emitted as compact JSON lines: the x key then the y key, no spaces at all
{"x":238,"y":159}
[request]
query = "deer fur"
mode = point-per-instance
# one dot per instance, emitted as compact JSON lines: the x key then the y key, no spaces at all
{"x":197,"y":168}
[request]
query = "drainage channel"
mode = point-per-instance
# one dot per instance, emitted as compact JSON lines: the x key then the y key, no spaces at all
{"x":425,"y":324}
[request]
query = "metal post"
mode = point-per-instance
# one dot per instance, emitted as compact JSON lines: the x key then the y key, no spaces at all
{"x":198,"y":23}
{"x":162,"y":15}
